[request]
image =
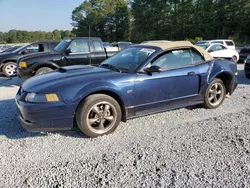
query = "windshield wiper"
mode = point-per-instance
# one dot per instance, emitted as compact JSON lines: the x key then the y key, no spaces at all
{"x":112,"y":67}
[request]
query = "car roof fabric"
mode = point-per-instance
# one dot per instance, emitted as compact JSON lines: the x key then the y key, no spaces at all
{"x":176,"y":44}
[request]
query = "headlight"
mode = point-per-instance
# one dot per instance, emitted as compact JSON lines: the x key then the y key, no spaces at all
{"x":42,"y":98}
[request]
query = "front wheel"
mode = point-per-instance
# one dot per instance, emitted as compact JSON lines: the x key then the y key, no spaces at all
{"x":9,"y":69}
{"x":43,"y":70}
{"x":98,"y":115}
{"x":215,"y":94}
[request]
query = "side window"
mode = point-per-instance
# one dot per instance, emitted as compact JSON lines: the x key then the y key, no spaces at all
{"x":215,"y":48}
{"x":174,"y":59}
{"x":34,"y":48}
{"x":197,"y":58}
{"x":229,"y":43}
{"x":79,"y":46}
{"x":97,"y":46}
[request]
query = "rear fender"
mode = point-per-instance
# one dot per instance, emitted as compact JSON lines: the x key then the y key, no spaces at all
{"x":224,"y":70}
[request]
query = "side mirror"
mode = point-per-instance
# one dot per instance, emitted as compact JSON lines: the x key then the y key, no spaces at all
{"x":152,"y":69}
{"x":68,"y":51}
{"x":210,"y":50}
{"x":23,"y":52}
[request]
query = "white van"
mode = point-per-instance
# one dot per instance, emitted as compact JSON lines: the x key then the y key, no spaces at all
{"x":228,"y":43}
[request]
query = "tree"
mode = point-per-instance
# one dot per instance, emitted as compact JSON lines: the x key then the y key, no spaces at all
{"x":107,"y":19}
{"x":56,"y":35}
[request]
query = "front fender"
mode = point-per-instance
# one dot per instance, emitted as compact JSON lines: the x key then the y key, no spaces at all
{"x":38,"y":65}
{"x":99,"y":86}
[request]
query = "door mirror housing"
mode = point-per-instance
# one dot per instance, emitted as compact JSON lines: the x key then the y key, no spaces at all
{"x":23,"y":52}
{"x":68,"y":51}
{"x":210,"y":50}
{"x":152,"y":69}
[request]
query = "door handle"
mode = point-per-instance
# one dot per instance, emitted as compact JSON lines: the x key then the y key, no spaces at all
{"x":191,"y":73}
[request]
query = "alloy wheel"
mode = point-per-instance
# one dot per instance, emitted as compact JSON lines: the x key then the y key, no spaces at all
{"x":10,"y":69}
{"x":101,"y":117}
{"x":215,"y":94}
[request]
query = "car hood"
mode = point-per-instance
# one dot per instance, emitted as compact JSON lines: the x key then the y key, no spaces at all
{"x":68,"y":75}
{"x":40,"y":56}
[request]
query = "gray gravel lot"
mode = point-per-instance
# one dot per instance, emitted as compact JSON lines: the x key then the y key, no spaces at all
{"x":189,"y":147}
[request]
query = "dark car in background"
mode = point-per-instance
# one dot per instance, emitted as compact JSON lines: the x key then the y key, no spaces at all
{"x":10,"y":49}
{"x":247,"y":67}
{"x":244,"y":53}
{"x":72,"y":51}
{"x":8,"y":60}
{"x":140,"y":80}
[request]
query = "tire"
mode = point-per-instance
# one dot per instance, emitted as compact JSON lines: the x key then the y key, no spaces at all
{"x":43,"y":70}
{"x":234,"y":59}
{"x":212,"y":102}
{"x":9,"y":69}
{"x":92,"y":119}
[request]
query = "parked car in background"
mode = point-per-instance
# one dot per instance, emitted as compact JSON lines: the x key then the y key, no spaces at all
{"x":72,"y":51}
{"x":3,"y":48}
{"x":247,"y":67}
{"x":106,"y":44}
{"x":227,"y":43}
{"x":118,"y":46}
{"x":244,"y":53}
{"x":155,"y":41}
{"x":220,"y":51}
{"x":140,"y":80}
{"x":8,"y":60}
{"x":10,"y":49}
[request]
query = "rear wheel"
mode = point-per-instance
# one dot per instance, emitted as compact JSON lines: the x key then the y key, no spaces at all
{"x":98,"y":115}
{"x":43,"y":70}
{"x":215,"y":94}
{"x":9,"y":69}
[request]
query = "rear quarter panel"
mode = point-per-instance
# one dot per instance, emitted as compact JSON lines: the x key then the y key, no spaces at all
{"x":217,"y":68}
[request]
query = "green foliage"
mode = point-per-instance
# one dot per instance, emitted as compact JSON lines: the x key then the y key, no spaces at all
{"x":107,"y":19}
{"x":18,"y":36}
{"x":140,"y":20}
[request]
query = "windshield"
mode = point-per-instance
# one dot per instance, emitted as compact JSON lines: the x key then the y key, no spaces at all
{"x":62,"y":45}
{"x":204,"y":46}
{"x":201,"y":42}
{"x":129,"y":59}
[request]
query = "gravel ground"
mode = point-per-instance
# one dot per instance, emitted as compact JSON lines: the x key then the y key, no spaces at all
{"x":189,"y":147}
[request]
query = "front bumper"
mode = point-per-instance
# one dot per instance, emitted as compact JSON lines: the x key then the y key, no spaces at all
{"x":45,"y":117}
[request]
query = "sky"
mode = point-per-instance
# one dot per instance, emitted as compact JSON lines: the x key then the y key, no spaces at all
{"x":34,"y":15}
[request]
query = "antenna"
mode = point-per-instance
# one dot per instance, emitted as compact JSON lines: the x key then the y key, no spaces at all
{"x":89,"y":47}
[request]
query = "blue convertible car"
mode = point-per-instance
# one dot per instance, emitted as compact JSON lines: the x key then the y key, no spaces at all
{"x":140,"y":80}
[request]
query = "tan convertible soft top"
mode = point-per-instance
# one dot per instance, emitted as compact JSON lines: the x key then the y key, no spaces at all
{"x":177,"y":44}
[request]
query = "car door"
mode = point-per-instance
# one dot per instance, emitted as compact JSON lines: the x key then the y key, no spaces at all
{"x":80,"y":52}
{"x":98,"y":54}
{"x":176,"y":85}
